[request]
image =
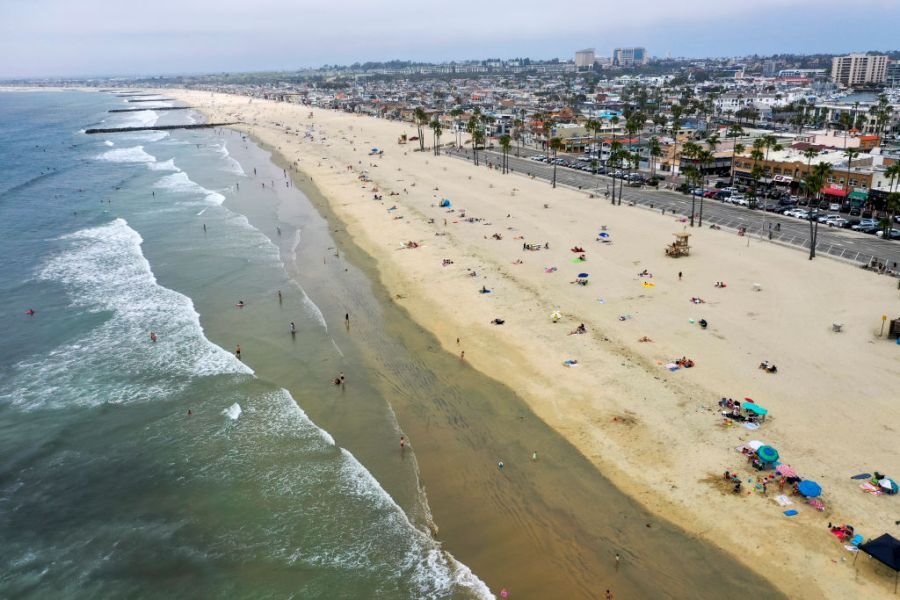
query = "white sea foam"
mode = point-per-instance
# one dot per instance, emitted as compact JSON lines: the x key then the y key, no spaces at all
{"x":233,"y":166}
{"x":134,"y":154}
{"x":103,"y":271}
{"x":167,"y":165}
{"x":108,"y":143}
{"x":143,"y":118}
{"x":180,"y":183}
{"x":146,"y":136}
{"x":233,"y":412}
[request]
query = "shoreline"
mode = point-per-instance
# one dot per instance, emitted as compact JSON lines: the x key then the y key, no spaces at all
{"x":595,"y":442}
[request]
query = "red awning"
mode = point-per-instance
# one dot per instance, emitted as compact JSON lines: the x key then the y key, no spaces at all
{"x":834,"y":191}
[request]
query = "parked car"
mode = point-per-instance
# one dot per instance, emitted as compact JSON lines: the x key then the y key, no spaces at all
{"x":839,"y":222}
{"x":855,"y":212}
{"x":770,"y":207}
{"x":722,"y":195}
{"x":710,"y":193}
{"x":834,"y":206}
{"x":740,"y":201}
{"x":824,"y":218}
{"x":892,"y":234}
{"x":866,"y":226}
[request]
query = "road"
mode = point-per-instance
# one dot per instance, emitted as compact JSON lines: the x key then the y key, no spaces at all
{"x":839,"y":243}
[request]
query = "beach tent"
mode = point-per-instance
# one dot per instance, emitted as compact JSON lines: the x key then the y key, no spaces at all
{"x":583,"y":275}
{"x":445,"y":203}
{"x":890,"y":485}
{"x":886,"y":550}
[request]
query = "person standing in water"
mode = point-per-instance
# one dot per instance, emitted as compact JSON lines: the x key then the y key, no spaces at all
{"x":293,"y":328}
{"x":152,"y":336}
{"x":279,"y":296}
{"x":237,"y":352}
{"x":347,"y":320}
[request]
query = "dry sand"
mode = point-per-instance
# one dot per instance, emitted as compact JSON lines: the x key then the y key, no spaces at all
{"x":655,"y":433}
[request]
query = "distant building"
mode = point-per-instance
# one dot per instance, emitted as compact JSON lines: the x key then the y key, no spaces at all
{"x":584,"y":59}
{"x":768,"y":68}
{"x":892,"y":74}
{"x":858,"y":69}
{"x":629,"y":57}
{"x":801,"y":73}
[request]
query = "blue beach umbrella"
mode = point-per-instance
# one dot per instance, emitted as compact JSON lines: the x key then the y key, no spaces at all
{"x":582,"y":274}
{"x":767,"y":454}
{"x":809,"y":488}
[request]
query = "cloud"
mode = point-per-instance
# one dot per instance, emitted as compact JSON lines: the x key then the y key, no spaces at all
{"x":164,"y":36}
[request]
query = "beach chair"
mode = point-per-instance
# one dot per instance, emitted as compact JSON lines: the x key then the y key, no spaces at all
{"x":857,"y":540}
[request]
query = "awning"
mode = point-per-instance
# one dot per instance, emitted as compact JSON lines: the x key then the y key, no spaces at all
{"x":755,"y":408}
{"x":834,"y":191}
{"x":859,"y":195}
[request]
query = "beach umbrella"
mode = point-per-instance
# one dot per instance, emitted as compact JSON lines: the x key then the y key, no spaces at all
{"x":767,"y":454}
{"x":582,"y":274}
{"x":786,"y":470}
{"x":890,"y":485}
{"x":809,"y":488}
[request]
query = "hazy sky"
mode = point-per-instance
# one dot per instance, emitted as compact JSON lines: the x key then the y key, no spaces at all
{"x":96,"y":37}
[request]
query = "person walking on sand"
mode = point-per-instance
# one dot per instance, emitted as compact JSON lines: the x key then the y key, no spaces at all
{"x":534,"y":456}
{"x":347,"y":320}
{"x":237,"y":352}
{"x":609,"y":595}
{"x":679,"y":275}
{"x":402,"y":443}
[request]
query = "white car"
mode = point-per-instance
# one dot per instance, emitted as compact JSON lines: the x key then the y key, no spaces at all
{"x":839,"y":222}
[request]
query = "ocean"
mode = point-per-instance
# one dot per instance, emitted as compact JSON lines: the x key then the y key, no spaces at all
{"x":173,"y":468}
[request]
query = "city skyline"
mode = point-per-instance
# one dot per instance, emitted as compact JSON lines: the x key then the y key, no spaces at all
{"x":51,"y":38}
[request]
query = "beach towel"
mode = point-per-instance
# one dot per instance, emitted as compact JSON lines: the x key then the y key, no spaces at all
{"x":672,"y":366}
{"x":870,"y":489}
{"x":751,"y":426}
{"x":783,"y":500}
{"x":817,"y":504}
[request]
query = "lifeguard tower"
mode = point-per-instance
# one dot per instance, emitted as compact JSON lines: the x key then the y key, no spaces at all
{"x":680,"y":247}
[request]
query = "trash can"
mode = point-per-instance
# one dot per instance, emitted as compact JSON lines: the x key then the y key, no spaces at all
{"x":894,"y":331}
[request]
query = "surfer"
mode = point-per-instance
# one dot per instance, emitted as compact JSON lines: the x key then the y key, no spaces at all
{"x":152,"y":336}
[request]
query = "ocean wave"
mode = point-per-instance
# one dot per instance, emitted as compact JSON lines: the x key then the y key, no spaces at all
{"x":104,"y":272}
{"x":145,"y":136}
{"x":233,"y":166}
{"x":143,"y":118}
{"x":134,"y":154}
{"x":166,"y":165}
{"x":356,"y":523}
{"x":180,"y":183}
{"x":109,"y":143}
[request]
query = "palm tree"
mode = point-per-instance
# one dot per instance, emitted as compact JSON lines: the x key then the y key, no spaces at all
{"x":692,"y":174}
{"x":850,"y":153}
{"x":615,"y":154}
{"x":477,"y":139}
{"x":472,"y":129}
{"x":436,"y":129}
{"x":455,"y":112}
{"x":815,"y":180}
{"x":677,"y":111}
{"x":614,"y":121}
{"x":705,"y":157}
{"x":654,"y":149}
{"x":519,"y":124}
{"x":555,"y":145}
{"x":505,"y":143}
{"x":593,"y":125}
{"x":421,"y":120}
{"x":892,"y":206}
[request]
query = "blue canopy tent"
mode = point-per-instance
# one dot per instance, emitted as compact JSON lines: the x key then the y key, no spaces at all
{"x":445,"y":203}
{"x":755,"y":409}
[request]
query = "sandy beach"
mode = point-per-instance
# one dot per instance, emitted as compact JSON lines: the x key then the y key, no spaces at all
{"x":656,"y":433}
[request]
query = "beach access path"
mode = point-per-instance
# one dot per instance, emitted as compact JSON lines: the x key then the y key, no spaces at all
{"x":657,"y":434}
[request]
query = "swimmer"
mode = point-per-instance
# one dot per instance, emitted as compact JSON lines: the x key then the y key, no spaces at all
{"x":190,"y":413}
{"x":240,"y":304}
{"x":152,"y":336}
{"x":30,"y":312}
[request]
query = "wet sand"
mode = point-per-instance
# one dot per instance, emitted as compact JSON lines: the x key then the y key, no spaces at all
{"x":541,"y":529}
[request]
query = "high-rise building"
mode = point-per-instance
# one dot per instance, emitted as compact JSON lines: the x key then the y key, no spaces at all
{"x":629,"y":57}
{"x":892,"y":74}
{"x":584,"y":58}
{"x":858,"y":69}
